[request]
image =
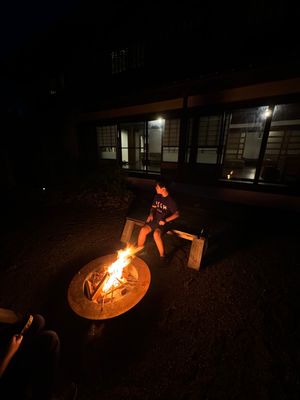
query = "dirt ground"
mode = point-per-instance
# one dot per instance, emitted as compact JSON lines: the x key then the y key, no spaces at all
{"x":228,"y":331}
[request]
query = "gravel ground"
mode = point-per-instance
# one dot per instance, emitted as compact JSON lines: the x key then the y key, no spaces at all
{"x":228,"y":331}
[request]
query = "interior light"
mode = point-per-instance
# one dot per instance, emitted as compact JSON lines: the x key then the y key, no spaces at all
{"x":267,"y":113}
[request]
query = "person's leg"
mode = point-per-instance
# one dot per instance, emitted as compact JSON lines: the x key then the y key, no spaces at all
{"x":37,"y":325}
{"x":145,"y":230}
{"x":157,"y":235}
{"x":14,"y":381}
{"x":16,"y":378}
{"x":45,"y":354}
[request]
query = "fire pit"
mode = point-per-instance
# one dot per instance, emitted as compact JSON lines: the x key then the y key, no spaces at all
{"x":109,"y":286}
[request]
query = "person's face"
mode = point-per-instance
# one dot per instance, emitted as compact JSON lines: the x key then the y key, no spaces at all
{"x":158,"y":189}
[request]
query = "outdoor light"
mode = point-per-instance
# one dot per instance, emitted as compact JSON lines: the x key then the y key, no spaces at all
{"x":160,"y":121}
{"x":266,"y":114}
{"x":44,"y":188}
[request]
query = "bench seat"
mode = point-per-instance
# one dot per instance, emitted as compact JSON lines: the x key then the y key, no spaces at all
{"x":197,"y":247}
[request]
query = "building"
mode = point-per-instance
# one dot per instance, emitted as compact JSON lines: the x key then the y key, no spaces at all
{"x":242,"y":136}
{"x":205,"y":95}
{"x":194,"y":94}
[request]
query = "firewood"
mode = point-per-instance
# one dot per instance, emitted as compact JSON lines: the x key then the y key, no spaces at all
{"x":88,"y":289}
{"x":98,"y":291}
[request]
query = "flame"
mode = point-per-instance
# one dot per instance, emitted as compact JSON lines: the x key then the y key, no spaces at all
{"x":115,"y":270}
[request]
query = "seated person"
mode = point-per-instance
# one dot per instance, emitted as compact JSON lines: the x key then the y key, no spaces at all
{"x":163,"y":211}
{"x":29,"y":358}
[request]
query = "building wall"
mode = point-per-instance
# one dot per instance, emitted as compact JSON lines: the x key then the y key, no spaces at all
{"x":190,"y":107}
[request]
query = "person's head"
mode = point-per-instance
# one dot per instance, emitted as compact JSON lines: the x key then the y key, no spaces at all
{"x":161,"y":187}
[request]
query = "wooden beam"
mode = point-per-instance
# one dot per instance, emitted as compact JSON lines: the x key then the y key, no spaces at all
{"x":182,"y":235}
{"x":196,"y":253}
{"x":127,"y":231}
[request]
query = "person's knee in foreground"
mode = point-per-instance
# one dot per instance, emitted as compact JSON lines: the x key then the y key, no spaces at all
{"x":163,"y":210}
{"x":29,"y":360}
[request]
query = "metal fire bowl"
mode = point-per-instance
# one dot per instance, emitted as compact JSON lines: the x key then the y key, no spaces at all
{"x":86,"y":308}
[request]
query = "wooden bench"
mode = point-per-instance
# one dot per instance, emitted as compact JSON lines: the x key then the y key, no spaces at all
{"x":198,"y":246}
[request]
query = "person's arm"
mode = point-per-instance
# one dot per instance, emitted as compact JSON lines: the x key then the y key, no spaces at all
{"x":13,"y":347}
{"x":152,"y":211}
{"x":170,"y":218}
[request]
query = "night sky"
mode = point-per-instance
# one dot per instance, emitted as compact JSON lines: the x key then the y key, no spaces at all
{"x":21,"y":21}
{"x":183,"y":40}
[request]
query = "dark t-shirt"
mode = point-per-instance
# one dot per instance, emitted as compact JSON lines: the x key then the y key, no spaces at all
{"x":164,"y":207}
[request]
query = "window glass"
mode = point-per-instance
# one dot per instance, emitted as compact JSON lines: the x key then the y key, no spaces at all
{"x":281,"y":163}
{"x":127,"y":58}
{"x":209,"y":131}
{"x":133,"y":145}
{"x":171,"y":140}
{"x":203,"y":139}
{"x":106,"y":141}
{"x":243,"y":142}
{"x":119,"y":60}
{"x":156,"y":129}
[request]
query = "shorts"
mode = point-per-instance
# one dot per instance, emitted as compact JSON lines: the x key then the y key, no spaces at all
{"x":155,"y":225}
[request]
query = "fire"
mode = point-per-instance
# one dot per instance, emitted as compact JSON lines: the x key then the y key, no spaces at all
{"x":115,"y":270}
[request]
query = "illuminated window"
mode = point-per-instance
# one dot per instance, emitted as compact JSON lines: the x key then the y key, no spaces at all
{"x":119,"y":60}
{"x":128,"y":58}
{"x":171,"y":140}
{"x":281,"y":163}
{"x":106,"y":141}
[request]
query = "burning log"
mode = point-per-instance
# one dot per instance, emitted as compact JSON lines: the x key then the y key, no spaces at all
{"x":135,"y":250}
{"x":93,"y":284}
{"x":88,"y":289}
{"x":99,"y":289}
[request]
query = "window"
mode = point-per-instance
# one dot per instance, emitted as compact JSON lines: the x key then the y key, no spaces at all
{"x":243,"y":142}
{"x":106,"y":141}
{"x":156,"y":129}
{"x":281,"y":163}
{"x":133,"y":145}
{"x":170,"y":140}
{"x":144,"y":149}
{"x":203,"y":139}
{"x":127,"y":58}
{"x":119,"y":60}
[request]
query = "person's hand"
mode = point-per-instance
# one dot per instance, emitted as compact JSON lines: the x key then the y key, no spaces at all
{"x":162,"y":222}
{"x":150,"y":218}
{"x":13,"y":347}
{"x":14,"y":344}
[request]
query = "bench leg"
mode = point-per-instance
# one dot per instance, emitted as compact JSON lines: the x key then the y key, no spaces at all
{"x":196,"y":253}
{"x":127,"y":231}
